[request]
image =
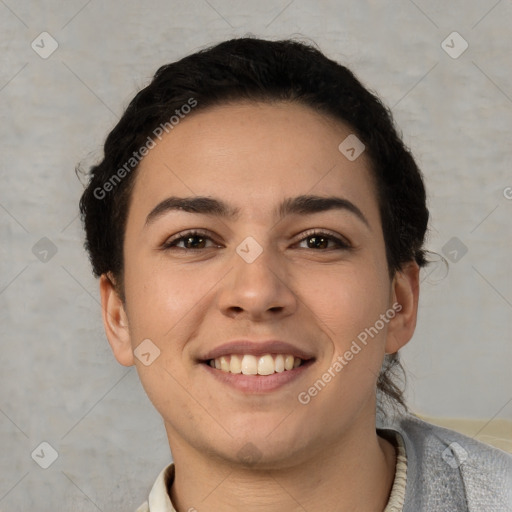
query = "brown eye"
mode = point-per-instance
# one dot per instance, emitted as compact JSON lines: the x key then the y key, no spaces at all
{"x":190,"y":241}
{"x":194,"y":242}
{"x":317,"y":242}
{"x":323,"y":241}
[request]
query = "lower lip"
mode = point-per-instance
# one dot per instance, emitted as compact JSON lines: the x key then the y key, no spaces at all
{"x":258,"y":383}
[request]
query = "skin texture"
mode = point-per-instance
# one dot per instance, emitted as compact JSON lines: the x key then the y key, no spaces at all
{"x":325,"y":455}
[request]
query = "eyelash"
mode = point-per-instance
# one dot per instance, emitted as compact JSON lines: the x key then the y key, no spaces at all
{"x":340,"y":244}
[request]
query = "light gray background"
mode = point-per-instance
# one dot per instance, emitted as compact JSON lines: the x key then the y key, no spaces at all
{"x":59,"y":382}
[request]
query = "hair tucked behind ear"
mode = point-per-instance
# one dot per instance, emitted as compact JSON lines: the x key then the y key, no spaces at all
{"x":391,"y":385}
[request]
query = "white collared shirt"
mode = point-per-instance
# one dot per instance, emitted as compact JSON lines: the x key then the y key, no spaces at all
{"x":158,"y":499}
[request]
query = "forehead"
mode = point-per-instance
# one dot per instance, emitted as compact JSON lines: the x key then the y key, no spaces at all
{"x":253,"y":154}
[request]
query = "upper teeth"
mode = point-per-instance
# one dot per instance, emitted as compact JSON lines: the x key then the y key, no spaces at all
{"x":253,"y":365}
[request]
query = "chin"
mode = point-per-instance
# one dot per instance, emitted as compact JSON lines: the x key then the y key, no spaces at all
{"x":266,"y":446}
{"x":262,"y":456}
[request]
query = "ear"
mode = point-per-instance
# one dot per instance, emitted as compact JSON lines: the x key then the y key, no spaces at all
{"x":405,"y":293}
{"x":115,"y":321}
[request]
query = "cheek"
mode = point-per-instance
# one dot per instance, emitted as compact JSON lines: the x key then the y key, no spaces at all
{"x":161,"y":296}
{"x":163,"y":306}
{"x":167,"y":389}
{"x":347,"y":300}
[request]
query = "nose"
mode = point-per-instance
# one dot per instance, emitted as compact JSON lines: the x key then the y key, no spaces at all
{"x":258,"y":290}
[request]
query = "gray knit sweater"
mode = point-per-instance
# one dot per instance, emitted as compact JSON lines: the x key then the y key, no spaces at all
{"x":450,"y":472}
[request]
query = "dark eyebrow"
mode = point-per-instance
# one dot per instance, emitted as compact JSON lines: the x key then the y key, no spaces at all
{"x":196,"y":204}
{"x":307,"y":204}
{"x":300,"y":205}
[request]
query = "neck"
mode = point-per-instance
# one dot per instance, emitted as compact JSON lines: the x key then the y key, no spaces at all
{"x":355,"y":473}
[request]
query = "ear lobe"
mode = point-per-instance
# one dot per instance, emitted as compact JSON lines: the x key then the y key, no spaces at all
{"x":115,"y":321}
{"x":405,"y":292}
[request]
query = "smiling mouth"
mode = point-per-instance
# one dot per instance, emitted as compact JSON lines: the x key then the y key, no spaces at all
{"x":248,"y":364}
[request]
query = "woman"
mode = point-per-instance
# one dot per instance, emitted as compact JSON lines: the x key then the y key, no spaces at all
{"x":257,"y":226}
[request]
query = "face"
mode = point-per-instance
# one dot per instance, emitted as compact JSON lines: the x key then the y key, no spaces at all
{"x":253,"y":245}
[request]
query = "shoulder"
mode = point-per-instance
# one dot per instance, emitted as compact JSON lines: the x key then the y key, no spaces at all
{"x":448,"y":469}
{"x":455,"y":449}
